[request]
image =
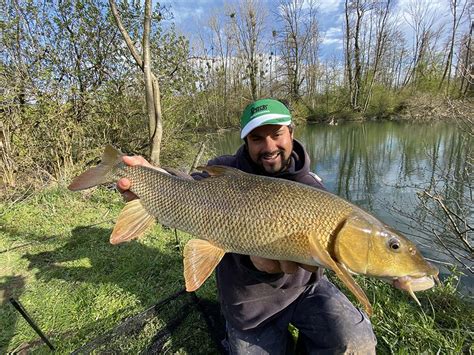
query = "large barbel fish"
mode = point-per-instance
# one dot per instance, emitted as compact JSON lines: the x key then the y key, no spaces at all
{"x":233,"y":211}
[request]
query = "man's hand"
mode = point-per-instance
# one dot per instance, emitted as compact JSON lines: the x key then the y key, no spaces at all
{"x":277,"y":266}
{"x":123,"y":185}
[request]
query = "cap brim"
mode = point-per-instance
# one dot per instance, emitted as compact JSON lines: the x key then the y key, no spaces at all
{"x":269,"y":119}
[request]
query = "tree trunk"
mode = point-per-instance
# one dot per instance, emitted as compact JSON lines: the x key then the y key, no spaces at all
{"x":152,"y":91}
{"x":449,"y":60}
{"x":348,"y":51}
{"x":357,"y":60}
{"x":379,"y":50}
{"x":468,"y":69}
{"x":152,"y":87}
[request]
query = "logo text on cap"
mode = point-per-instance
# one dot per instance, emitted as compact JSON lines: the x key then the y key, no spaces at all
{"x":254,"y":110}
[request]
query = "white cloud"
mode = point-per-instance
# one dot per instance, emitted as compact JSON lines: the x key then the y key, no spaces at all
{"x":433,"y":13}
{"x":183,"y":14}
{"x":436,"y":8}
{"x":333,"y":32}
{"x":327,"y":6}
{"x":332,"y":36}
{"x":185,"y":10}
{"x":329,"y":41}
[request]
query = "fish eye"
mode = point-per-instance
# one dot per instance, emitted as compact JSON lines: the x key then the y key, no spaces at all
{"x":394,"y":244}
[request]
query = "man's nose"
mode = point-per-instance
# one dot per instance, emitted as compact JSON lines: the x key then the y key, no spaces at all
{"x":270,"y":144}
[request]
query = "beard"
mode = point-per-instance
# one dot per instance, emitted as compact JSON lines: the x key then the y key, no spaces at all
{"x":273,"y":162}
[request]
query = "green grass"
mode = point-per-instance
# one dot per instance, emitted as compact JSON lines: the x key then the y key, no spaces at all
{"x":442,"y":325}
{"x":55,"y":258}
{"x":57,"y":261}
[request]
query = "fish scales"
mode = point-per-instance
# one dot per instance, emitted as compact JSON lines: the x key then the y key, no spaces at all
{"x":246,"y":214}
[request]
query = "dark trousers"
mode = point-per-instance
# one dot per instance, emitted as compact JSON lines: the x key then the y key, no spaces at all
{"x":327,"y":321}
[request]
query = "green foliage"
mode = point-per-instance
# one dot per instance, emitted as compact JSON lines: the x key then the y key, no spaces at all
{"x":383,"y":103}
{"x":331,"y":106}
{"x":71,"y":89}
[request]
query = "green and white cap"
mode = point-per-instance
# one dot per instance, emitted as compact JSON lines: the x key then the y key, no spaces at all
{"x":263,"y":112}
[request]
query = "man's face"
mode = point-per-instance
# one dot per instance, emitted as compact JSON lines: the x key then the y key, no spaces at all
{"x":270,"y":147}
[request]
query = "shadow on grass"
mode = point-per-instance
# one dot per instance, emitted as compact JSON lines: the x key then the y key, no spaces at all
{"x":143,"y":271}
{"x":10,"y":286}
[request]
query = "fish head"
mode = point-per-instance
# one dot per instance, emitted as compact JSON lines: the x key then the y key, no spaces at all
{"x":364,"y":245}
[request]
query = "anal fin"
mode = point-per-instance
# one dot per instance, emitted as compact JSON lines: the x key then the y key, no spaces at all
{"x":320,"y":253}
{"x":132,"y":222}
{"x":200,"y":259}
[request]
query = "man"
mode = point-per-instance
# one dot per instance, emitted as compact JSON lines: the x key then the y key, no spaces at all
{"x":260,"y":297}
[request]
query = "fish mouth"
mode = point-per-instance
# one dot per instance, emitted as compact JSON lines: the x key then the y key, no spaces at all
{"x":413,"y":284}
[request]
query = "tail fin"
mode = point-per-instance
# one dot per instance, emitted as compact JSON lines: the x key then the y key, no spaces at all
{"x":98,"y":174}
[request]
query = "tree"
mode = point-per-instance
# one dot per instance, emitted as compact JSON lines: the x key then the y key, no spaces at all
{"x":248,"y":21}
{"x":152,"y":87}
{"x":298,"y":41}
{"x":421,"y":17}
{"x":354,"y":12}
{"x":55,"y":59}
{"x":466,"y":63}
{"x":220,"y":68}
{"x":382,"y":10}
{"x":457,"y":15}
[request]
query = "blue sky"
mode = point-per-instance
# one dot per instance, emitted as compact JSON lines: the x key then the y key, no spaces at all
{"x":190,"y":17}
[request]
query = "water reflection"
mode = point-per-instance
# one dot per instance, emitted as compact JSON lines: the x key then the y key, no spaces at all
{"x":383,"y":166}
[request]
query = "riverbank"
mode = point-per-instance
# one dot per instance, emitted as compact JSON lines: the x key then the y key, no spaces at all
{"x":425,"y":108}
{"x":57,"y":261}
{"x":416,"y":108}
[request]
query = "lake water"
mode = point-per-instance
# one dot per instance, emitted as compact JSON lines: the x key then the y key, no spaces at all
{"x":385,"y":167}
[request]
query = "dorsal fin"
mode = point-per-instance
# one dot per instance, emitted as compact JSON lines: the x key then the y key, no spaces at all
{"x":220,"y":170}
{"x":177,"y":173}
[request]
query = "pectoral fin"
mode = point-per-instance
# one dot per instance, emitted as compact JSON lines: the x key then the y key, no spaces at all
{"x":320,"y":253}
{"x":132,"y":222}
{"x":200,"y":259}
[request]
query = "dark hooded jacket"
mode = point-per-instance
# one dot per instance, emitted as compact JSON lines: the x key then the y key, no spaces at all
{"x":249,"y":297}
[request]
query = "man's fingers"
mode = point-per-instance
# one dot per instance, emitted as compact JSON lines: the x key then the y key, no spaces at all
{"x":123,"y":184}
{"x":288,"y":267}
{"x":135,"y":160}
{"x":131,"y":161}
{"x":310,"y":268}
{"x":276,"y":266}
{"x":265,"y":265}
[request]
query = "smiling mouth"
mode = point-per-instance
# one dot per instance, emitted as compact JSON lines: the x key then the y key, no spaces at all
{"x":270,"y":157}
